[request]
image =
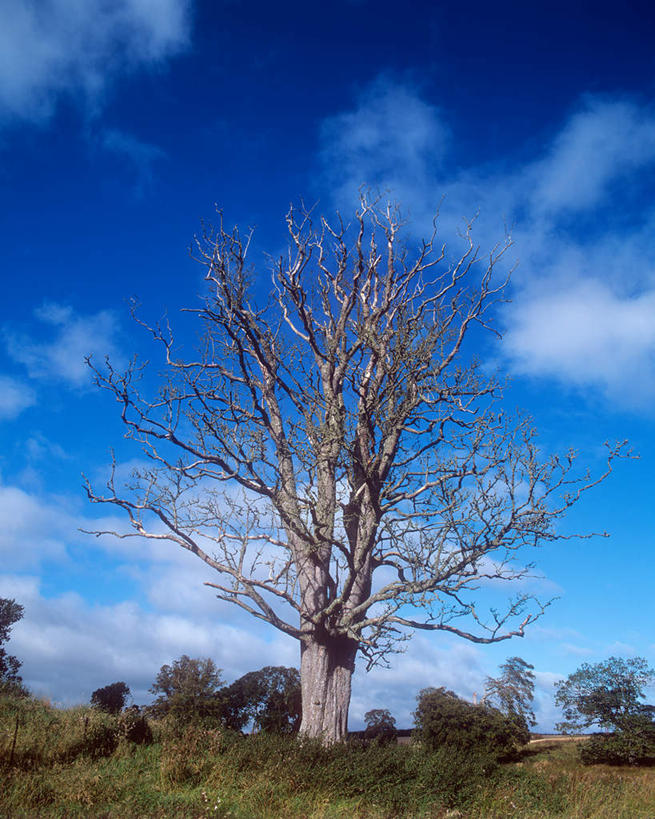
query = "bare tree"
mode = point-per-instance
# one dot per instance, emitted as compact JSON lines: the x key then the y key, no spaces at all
{"x":334,"y":457}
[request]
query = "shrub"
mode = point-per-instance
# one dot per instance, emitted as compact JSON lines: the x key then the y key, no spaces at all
{"x":389,"y":776}
{"x":632,"y":747}
{"x":111,"y":698}
{"x":444,"y":720}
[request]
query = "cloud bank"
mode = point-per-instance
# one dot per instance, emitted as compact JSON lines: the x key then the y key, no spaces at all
{"x":579,"y":213}
{"x":50,"y":49}
{"x":70,"y":338}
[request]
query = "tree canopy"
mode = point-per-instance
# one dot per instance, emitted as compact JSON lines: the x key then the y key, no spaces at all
{"x":187,"y":689}
{"x":270,"y":697}
{"x":380,"y":725}
{"x":513,"y":691}
{"x":607,"y":694}
{"x":111,"y":698}
{"x":333,"y":451}
{"x":10,"y":613}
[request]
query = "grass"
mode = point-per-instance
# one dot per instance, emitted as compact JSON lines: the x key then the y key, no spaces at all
{"x":79,"y":762}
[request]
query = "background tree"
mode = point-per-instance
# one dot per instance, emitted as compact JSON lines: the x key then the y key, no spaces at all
{"x":10,"y":613}
{"x":111,"y":698}
{"x":270,"y":697}
{"x":513,"y":692}
{"x":333,"y":433}
{"x":380,"y":725}
{"x":187,"y":689}
{"x":605,"y":695}
{"x":443,"y":719}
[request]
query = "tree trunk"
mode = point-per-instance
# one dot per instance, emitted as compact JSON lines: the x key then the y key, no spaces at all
{"x":326,"y":668}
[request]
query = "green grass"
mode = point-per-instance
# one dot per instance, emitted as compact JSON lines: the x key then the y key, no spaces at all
{"x":78,"y":762}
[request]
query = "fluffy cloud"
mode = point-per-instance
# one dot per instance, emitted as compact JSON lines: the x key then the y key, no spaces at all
{"x":160,"y":608}
{"x":437,"y":661}
{"x":584,"y":293}
{"x":50,"y":48}
{"x":151,"y":607}
{"x":586,"y":334}
{"x":607,"y":140}
{"x":393,"y":140}
{"x":73,"y":337}
{"x":32,"y":532}
{"x":15,"y":396}
{"x":122,"y":641}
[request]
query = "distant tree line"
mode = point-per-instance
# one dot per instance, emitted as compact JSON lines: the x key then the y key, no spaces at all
{"x":192,"y":690}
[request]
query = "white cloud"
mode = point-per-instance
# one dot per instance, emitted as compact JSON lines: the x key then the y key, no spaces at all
{"x":73,"y":337}
{"x":122,"y":641}
{"x":604,"y":141}
{"x":585,"y":334}
{"x":38,"y":447}
{"x":436,"y":661}
{"x":32,"y":531}
{"x":15,"y":396}
{"x":50,"y":48}
{"x":584,"y":294}
{"x":392,"y":140}
{"x":70,"y":645}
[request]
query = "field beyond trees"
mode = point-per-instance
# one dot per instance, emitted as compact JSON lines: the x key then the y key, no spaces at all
{"x":84,"y":762}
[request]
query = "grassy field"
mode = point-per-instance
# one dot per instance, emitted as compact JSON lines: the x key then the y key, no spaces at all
{"x":79,"y":762}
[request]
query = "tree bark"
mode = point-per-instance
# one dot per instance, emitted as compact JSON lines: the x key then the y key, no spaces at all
{"x":326,"y":669}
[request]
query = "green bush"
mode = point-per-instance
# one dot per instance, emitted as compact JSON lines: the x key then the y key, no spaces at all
{"x":444,"y":720}
{"x":620,"y":748}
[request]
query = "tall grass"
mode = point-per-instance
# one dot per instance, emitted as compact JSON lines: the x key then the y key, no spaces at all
{"x":81,"y":762}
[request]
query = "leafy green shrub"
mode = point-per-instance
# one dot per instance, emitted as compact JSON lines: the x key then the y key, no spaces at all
{"x":444,"y":720}
{"x":621,"y":748}
{"x":99,"y":737}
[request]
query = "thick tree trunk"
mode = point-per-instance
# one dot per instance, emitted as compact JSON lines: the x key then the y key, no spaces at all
{"x":326,"y":669}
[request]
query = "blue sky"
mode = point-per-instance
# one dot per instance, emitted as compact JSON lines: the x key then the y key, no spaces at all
{"x":123,"y":123}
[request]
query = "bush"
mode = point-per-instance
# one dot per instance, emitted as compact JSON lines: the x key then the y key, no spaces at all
{"x":621,"y":748}
{"x":444,"y":720}
{"x":188,"y":753}
{"x":111,"y":698}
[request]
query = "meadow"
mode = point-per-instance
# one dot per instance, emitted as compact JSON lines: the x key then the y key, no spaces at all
{"x":83,"y":762}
